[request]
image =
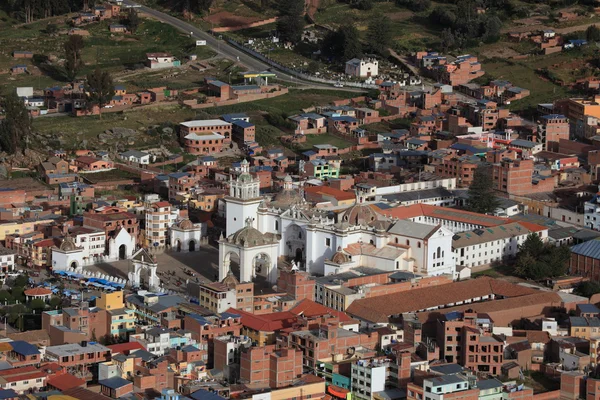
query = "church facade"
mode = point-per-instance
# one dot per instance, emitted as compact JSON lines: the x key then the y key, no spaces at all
{"x":321,"y":241}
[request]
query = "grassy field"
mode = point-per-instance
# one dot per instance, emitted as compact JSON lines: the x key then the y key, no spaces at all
{"x":522,"y":73}
{"x":312,"y":140}
{"x":111,"y":175}
{"x":73,"y":130}
{"x":291,"y":103}
{"x":113,"y":52}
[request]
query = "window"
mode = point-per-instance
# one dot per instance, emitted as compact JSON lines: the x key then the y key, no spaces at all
{"x":328,"y":242}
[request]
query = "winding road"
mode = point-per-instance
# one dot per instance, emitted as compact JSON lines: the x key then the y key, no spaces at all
{"x":226,"y":50}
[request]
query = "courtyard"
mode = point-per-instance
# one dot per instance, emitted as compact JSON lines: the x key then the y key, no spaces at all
{"x":175,"y":269}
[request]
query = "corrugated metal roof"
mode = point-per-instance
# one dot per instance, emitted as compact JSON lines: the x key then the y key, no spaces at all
{"x":588,"y":249}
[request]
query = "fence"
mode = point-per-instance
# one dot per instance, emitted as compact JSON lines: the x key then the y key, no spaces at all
{"x":245,"y":26}
{"x":297,"y":74}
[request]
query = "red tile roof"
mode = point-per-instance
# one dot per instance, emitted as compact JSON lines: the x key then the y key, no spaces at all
{"x":450,"y":214}
{"x":517,"y":304}
{"x":87,"y":160}
{"x":266,"y":322}
{"x":65,"y":382}
{"x":532,"y":227}
{"x":311,"y":309}
{"x":378,"y":309}
{"x":327,"y":190}
{"x":38,"y":291}
{"x":22,"y":374}
{"x":123,"y":347}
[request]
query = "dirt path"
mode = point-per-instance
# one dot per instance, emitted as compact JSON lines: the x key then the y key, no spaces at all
{"x":540,"y":27}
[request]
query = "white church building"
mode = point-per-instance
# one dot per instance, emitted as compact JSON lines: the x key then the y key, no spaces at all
{"x":322,"y":242}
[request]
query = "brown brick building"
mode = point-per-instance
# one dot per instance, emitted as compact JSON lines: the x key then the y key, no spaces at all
{"x":110,"y":219}
{"x":271,"y":366}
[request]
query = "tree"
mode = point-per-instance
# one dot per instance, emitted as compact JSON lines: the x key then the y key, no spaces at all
{"x":414,"y":5}
{"x":133,"y":20}
{"x":373,"y":94}
{"x":73,"y":46}
{"x":100,"y":88}
{"x":443,"y":16}
{"x":592,"y":33}
{"x":15,"y":312}
{"x":51,"y":29}
{"x":344,"y":43}
{"x":378,"y":34}
{"x":37,"y":305}
{"x":538,"y":260}
{"x":447,"y":39}
{"x":15,"y":128}
{"x":587,"y":289}
{"x":492,"y":29}
{"x":55,"y":302}
{"x":290,"y":23}
{"x":351,"y":45}
{"x":313,"y":67}
{"x":18,"y":293}
{"x":5,"y":297}
{"x":482,"y":198}
{"x":21,"y":280}
{"x":362,"y":4}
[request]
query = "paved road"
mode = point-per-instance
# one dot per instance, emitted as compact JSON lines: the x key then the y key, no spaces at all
{"x":228,"y":51}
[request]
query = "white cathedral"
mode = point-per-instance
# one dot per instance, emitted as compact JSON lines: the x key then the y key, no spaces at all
{"x":261,"y":232}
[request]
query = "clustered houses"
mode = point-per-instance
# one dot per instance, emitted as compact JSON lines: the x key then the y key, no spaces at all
{"x":72,"y":99}
{"x":326,"y":284}
{"x":454,"y":73}
{"x":548,"y":41}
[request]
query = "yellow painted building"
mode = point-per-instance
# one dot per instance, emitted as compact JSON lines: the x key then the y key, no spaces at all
{"x":128,"y":204}
{"x":576,"y":109}
{"x":312,"y":388}
{"x":121,"y":322}
{"x":20,"y":227}
{"x":111,"y":301}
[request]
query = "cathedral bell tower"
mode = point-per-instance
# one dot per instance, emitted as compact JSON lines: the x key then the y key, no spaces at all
{"x":243,"y":200}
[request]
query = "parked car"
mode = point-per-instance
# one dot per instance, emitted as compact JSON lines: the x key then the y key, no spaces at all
{"x":338,"y":84}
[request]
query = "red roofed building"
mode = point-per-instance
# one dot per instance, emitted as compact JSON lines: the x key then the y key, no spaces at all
{"x":125,"y":348}
{"x":87,"y":163}
{"x":450,"y":218}
{"x":319,"y":194}
{"x":312,"y":310}
{"x":38,"y":293}
{"x":65,"y":381}
{"x":23,"y":379}
{"x":262,"y":329}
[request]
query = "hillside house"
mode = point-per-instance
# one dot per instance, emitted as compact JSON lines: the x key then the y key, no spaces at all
{"x":161,"y":60}
{"x":18,"y":69}
{"x":22,"y":54}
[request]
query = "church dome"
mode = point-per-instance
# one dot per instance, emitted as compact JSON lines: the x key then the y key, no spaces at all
{"x":249,"y":236}
{"x":245,"y":178}
{"x":340,"y":257}
{"x":230,"y":280}
{"x":359,"y":214}
{"x":286,"y":198}
{"x":68,"y":244}
{"x":186,"y":224}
